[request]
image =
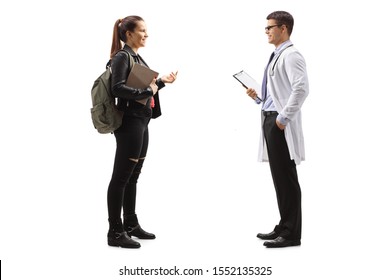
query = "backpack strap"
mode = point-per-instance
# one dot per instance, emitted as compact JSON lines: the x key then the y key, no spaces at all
{"x":128,"y":54}
{"x":131,"y":59}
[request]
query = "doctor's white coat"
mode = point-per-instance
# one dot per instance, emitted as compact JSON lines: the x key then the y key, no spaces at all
{"x":288,"y":86}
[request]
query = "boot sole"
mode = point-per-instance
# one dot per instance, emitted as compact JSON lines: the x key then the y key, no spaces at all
{"x":143,"y":237}
{"x":129,"y":246}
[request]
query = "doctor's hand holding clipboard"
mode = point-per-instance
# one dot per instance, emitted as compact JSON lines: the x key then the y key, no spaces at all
{"x":250,"y":84}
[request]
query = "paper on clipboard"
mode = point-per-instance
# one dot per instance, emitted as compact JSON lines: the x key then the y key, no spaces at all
{"x":247,"y":81}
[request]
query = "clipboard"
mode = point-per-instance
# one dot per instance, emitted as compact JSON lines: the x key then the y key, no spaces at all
{"x":140,"y":76}
{"x":248,"y":82}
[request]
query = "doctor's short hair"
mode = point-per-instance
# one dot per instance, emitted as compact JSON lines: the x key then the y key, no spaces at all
{"x":283,"y":18}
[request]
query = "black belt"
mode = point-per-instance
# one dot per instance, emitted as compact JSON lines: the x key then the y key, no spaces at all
{"x":269,"y":113}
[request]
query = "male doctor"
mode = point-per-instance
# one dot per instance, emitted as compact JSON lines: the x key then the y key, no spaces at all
{"x":285,"y":88}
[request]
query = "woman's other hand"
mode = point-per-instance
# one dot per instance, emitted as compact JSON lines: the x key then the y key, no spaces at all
{"x":169,"y":78}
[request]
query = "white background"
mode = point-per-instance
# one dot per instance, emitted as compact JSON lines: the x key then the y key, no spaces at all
{"x":202,"y":191}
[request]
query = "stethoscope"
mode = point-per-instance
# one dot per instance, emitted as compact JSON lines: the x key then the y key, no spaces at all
{"x":272,"y":71}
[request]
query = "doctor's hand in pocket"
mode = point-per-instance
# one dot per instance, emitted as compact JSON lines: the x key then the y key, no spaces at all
{"x":281,"y":126}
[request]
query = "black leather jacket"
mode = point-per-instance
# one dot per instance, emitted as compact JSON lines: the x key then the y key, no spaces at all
{"x":127,"y":96}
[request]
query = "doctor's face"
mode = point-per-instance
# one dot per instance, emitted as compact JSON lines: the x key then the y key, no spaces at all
{"x":274,"y":32}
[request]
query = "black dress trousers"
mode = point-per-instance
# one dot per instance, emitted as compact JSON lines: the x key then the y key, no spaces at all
{"x":285,"y":178}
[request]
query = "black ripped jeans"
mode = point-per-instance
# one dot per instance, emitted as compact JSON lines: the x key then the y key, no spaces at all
{"x":132,"y":140}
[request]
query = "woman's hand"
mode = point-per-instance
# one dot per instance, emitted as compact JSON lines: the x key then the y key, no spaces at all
{"x":154,"y":86}
{"x":169,"y":78}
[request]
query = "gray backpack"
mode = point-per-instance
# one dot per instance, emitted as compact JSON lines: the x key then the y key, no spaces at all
{"x":106,"y":117}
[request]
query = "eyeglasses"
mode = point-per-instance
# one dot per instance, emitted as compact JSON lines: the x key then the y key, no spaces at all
{"x":268,"y":28}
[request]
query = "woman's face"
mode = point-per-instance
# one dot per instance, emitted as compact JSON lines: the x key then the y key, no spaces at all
{"x":138,"y":37}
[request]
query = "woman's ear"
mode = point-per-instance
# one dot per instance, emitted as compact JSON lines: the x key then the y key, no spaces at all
{"x":128,"y":34}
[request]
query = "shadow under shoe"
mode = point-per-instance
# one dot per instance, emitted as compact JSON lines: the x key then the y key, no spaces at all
{"x":137,"y":231}
{"x":121,"y":239}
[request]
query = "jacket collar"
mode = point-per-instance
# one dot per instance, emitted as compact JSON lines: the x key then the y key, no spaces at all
{"x":278,"y":52}
{"x":130,"y":50}
{"x":283,"y":46}
{"x":135,"y":56}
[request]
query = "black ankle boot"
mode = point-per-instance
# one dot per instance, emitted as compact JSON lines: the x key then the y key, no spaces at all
{"x":132,"y":227}
{"x":117,"y":237}
{"x":137,"y":231}
{"x":121,"y":239}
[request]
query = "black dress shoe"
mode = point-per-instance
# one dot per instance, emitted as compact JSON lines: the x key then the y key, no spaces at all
{"x":137,"y":231}
{"x":121,"y":239}
{"x":268,"y":236}
{"x":281,"y":242}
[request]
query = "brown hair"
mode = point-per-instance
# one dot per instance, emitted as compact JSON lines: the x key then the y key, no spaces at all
{"x":120,"y":28}
{"x":283,"y":18}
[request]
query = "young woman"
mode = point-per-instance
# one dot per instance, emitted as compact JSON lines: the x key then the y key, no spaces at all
{"x":139,"y":106}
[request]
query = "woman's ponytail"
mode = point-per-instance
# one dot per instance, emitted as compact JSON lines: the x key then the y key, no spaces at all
{"x":116,"y":41}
